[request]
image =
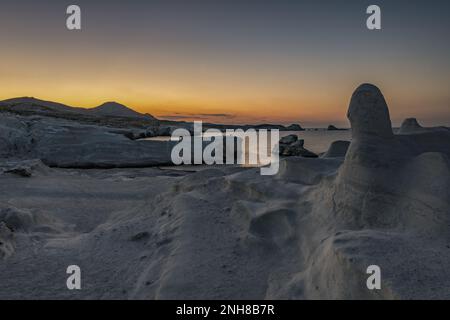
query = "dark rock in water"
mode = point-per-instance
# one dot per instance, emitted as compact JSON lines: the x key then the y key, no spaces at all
{"x":298,"y":151}
{"x":368,"y":113}
{"x":332,"y":128}
{"x":292,"y":146}
{"x":337,"y":149}
{"x":297,"y":144}
{"x":294,"y":127}
{"x":289,"y":139}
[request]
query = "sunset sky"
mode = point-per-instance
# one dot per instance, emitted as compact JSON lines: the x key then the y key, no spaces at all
{"x":247,"y":61}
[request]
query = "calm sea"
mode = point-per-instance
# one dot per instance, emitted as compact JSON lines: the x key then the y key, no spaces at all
{"x":317,"y":141}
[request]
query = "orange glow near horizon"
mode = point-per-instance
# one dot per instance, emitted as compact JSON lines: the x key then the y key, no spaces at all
{"x":227,"y":62}
{"x":310,"y":109}
{"x":217,"y":92}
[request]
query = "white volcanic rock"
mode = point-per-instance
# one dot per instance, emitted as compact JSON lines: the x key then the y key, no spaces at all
{"x":77,"y":146}
{"x":6,"y":241}
{"x":376,"y":163}
{"x":68,"y":144}
{"x":410,"y":125}
{"x":24,"y":168}
{"x":14,"y":138}
{"x":368,"y":113}
{"x":337,"y":149}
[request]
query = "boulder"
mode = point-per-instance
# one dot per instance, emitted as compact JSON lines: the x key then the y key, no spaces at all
{"x":292,"y":146}
{"x":17,"y":219}
{"x":332,"y":128}
{"x":289,"y":139}
{"x":296,"y":149}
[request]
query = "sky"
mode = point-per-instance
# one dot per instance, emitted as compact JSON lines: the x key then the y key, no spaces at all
{"x":246,"y":61}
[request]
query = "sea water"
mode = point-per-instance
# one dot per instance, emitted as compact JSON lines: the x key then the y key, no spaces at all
{"x":317,"y":141}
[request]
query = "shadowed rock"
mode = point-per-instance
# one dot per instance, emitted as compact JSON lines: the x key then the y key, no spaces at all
{"x":294,"y":127}
{"x":292,"y":146}
{"x":332,"y":128}
{"x":337,"y":149}
{"x":289,"y":139}
{"x":368,"y":113}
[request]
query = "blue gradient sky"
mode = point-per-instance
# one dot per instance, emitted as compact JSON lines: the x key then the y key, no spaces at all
{"x":230,"y":61}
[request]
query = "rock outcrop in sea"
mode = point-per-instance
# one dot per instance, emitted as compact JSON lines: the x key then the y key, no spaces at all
{"x":332,"y":128}
{"x":292,"y":146}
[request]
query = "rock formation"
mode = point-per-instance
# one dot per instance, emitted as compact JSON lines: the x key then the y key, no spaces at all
{"x":294,"y":127}
{"x":292,"y":146}
{"x":310,"y":232}
{"x":332,"y":128}
{"x":368,"y":113}
{"x":410,"y":125}
{"x":337,"y":149}
{"x":69,"y":144}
